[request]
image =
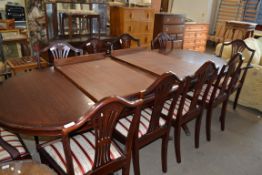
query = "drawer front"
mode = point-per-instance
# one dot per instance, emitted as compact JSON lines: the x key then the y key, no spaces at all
{"x":173,"y":29}
{"x":189,"y":35}
{"x":173,"y":19}
{"x":138,"y":15}
{"x":202,"y":35}
{"x":138,"y":27}
{"x":196,"y":27}
{"x":145,"y":39}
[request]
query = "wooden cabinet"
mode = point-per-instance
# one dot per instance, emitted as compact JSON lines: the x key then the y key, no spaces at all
{"x":195,"y":37}
{"x":136,"y":21}
{"x":172,"y":24}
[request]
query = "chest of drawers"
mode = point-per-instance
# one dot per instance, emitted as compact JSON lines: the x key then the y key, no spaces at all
{"x":136,"y":21}
{"x":195,"y":37}
{"x":172,"y":24}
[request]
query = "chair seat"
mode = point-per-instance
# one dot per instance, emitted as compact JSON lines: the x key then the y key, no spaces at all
{"x":83,"y":152}
{"x":168,"y":103}
{"x":209,"y":93}
{"x":14,"y":141}
{"x":123,"y":125}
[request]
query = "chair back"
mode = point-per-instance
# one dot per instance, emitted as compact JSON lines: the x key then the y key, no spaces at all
{"x":167,"y":86}
{"x":228,"y":77}
{"x":161,"y":41}
{"x":194,"y":84}
{"x":95,"y":45}
{"x":102,"y":118}
{"x":124,"y":41}
{"x":61,"y":49}
{"x":238,"y":46}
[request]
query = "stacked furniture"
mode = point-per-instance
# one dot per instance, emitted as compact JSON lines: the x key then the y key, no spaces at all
{"x":172,"y":24}
{"x":195,"y":37}
{"x":136,"y":21}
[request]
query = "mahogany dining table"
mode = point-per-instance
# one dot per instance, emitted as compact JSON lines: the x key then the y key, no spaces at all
{"x":42,"y":102}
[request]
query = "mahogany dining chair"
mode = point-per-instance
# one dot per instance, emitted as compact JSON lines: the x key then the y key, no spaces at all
{"x":153,"y":125}
{"x":95,"y":45}
{"x":87,"y":145}
{"x":220,"y":91}
{"x":239,"y":46}
{"x":60,"y":50}
{"x":124,"y":41}
{"x":12,"y":147}
{"x":188,"y":107}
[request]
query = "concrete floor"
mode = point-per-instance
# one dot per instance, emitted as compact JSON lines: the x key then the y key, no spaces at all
{"x":236,"y":151}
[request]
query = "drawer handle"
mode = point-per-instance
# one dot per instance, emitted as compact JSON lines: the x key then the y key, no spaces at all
{"x":147,"y":27}
{"x":146,"y":39}
{"x":167,"y":19}
{"x":166,"y":29}
{"x":148,"y":15}
{"x":130,"y":15}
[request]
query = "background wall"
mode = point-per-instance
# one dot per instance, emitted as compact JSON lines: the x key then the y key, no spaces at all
{"x":198,"y":10}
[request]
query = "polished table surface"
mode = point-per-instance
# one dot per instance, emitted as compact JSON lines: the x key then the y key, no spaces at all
{"x":43,"y":101}
{"x":102,"y":78}
{"x":40,"y":101}
{"x":180,"y":62}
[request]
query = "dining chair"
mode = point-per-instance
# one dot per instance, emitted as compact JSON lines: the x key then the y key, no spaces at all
{"x":188,"y":107}
{"x":239,"y":46}
{"x":12,"y":147}
{"x":95,"y":45}
{"x":220,"y":91}
{"x":87,"y":145}
{"x":153,"y":124}
{"x":161,"y":41}
{"x":60,"y":50}
{"x":124,"y":41}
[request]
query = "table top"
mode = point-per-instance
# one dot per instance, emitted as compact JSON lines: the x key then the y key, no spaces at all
{"x":180,"y":62}
{"x":106,"y":77}
{"x":41,"y":102}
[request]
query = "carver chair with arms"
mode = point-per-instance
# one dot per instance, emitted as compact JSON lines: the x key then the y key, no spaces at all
{"x":60,"y":50}
{"x":87,"y":146}
{"x":153,"y":124}
{"x":239,"y":46}
{"x":188,"y":107}
{"x":12,"y":147}
{"x":124,"y":41}
{"x":220,"y":90}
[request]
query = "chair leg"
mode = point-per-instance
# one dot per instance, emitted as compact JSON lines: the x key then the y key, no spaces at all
{"x":126,"y":169}
{"x":164,"y":152}
{"x":208,"y":123}
{"x":197,"y":130}
{"x":223,"y":115}
{"x":135,"y":157}
{"x":177,"y":133}
{"x":236,"y":98}
{"x":186,"y":130}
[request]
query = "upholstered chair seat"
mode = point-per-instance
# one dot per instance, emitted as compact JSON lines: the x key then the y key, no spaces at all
{"x":124,"y":124}
{"x":83,"y":152}
{"x":11,"y":147}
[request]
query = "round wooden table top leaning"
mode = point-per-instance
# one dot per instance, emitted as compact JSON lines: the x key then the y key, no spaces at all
{"x":42,"y":102}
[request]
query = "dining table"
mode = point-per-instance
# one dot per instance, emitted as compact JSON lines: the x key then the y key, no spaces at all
{"x":44,"y":101}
